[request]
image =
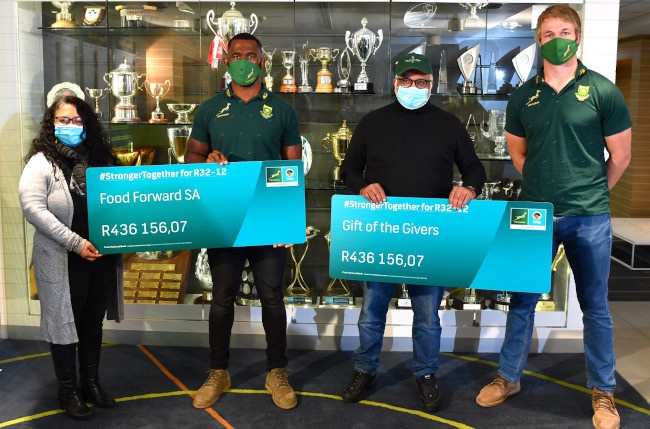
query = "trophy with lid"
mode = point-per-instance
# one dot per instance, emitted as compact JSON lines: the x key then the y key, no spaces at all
{"x":64,"y":19}
{"x":363,"y":43}
{"x":338,"y":145}
{"x":324,"y":76}
{"x":124,"y":84}
{"x":231,"y":23}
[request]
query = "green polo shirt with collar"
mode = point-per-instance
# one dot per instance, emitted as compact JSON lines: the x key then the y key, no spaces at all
{"x":252,"y":131}
{"x":565,"y":140}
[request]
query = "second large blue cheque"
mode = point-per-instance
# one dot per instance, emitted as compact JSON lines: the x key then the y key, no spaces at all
{"x":190,"y":206}
{"x":494,"y":245}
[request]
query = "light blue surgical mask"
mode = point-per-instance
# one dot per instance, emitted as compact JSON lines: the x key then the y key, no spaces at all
{"x":70,"y":135}
{"x":412,"y":98}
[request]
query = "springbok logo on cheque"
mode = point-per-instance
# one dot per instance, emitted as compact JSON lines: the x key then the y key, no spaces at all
{"x":523,"y":218}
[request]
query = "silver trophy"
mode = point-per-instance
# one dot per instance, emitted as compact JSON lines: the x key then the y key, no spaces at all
{"x":182,"y":110}
{"x":288,"y":81}
{"x":97,"y":94}
{"x":344,"y":67}
{"x":298,"y":291}
{"x":523,"y":62}
{"x":304,"y":63}
{"x":247,"y":294}
{"x":363,"y":43}
{"x":496,"y":131}
{"x":467,"y":63}
{"x":231,"y":23}
{"x":124,"y":84}
{"x":157,"y":90}
{"x":268,"y":64}
{"x":404,"y":300}
{"x":442,"y":74}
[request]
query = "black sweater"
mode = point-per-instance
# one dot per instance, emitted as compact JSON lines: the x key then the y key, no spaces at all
{"x":411,"y":153}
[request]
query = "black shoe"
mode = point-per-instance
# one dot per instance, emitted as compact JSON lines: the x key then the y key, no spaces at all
{"x":429,"y":393}
{"x":356,"y":387}
{"x":93,"y":392}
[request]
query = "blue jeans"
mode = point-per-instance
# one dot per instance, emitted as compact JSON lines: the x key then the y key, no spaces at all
{"x":588,"y":245}
{"x":425,"y":301}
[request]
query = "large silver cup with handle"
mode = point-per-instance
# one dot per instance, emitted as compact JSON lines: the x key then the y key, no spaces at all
{"x":124,"y":84}
{"x":363,"y":43}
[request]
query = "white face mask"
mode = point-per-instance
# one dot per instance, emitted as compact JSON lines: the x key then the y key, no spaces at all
{"x":412,"y":97}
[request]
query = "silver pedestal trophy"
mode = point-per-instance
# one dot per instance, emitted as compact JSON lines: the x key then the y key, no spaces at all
{"x":344,"y":68}
{"x":467,"y":63}
{"x":231,"y":23}
{"x":404,"y":300}
{"x":303,"y":59}
{"x":268,"y":65}
{"x":363,"y":43}
{"x":523,"y":62}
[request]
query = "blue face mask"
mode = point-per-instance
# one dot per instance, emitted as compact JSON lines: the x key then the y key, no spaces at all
{"x":412,"y":98}
{"x":70,"y":135}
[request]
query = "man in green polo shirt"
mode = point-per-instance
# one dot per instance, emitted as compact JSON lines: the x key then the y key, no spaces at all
{"x":246,"y":122}
{"x":558,"y":126}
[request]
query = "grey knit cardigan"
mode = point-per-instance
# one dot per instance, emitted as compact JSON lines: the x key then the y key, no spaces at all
{"x":47,"y":204}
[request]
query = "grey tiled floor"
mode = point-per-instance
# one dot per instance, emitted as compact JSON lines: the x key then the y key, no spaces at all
{"x":632,"y":343}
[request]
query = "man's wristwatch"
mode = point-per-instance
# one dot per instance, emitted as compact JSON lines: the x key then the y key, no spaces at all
{"x":473,"y":189}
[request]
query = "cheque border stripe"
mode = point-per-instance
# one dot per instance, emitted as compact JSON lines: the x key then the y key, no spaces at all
{"x":552,"y":380}
{"x":177,"y":382}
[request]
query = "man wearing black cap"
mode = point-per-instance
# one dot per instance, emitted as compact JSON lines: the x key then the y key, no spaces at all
{"x":407,"y":149}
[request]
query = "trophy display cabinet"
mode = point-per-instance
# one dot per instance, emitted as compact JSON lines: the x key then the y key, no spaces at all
{"x":145,"y":68}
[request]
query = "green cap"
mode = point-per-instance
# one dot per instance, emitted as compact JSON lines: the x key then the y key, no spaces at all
{"x":413,"y":62}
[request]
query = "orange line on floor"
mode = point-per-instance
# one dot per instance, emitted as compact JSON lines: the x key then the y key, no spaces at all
{"x":180,"y":384}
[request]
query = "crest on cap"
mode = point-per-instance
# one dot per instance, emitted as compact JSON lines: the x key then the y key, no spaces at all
{"x":413,"y":61}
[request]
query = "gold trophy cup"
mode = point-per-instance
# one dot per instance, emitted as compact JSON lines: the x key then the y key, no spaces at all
{"x":298,"y":291}
{"x":64,"y":19}
{"x":178,"y":138}
{"x":338,"y":145}
{"x":324,"y":76}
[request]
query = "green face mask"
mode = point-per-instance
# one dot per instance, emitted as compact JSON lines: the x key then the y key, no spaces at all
{"x":243,"y":72}
{"x":559,"y":51}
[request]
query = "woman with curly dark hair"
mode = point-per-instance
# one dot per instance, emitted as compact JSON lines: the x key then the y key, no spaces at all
{"x":75,"y":282}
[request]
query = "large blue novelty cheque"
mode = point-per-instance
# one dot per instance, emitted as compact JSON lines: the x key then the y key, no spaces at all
{"x":191,"y":206}
{"x":494,"y":245}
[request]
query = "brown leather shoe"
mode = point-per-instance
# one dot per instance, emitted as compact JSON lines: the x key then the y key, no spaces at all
{"x":218,"y":382}
{"x":605,"y":414}
{"x":278,"y":386}
{"x":497,"y":392}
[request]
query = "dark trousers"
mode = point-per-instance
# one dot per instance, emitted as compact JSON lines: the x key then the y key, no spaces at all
{"x":267,"y":264}
{"x":90,"y":286}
